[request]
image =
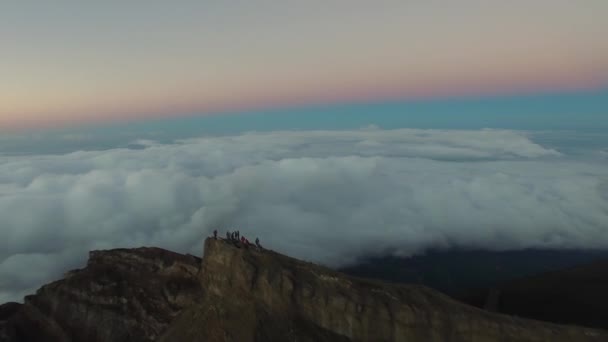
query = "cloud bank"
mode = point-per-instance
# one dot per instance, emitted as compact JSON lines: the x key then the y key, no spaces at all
{"x":325,"y":196}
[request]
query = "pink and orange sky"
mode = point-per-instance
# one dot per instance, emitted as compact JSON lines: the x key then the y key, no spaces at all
{"x":72,"y":61}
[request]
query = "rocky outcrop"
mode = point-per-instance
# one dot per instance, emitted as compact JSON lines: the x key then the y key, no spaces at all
{"x":122,"y":295}
{"x":245,"y":294}
{"x":255,"y":295}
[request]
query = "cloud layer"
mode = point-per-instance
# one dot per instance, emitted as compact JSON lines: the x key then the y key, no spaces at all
{"x":326,"y":196}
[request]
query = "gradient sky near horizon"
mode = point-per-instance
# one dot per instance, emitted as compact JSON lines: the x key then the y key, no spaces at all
{"x":71,"y":61}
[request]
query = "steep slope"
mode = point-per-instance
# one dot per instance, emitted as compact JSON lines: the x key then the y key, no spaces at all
{"x":455,"y":271}
{"x":572,"y":296}
{"x":25,"y":323}
{"x":255,"y":295}
{"x":122,"y":295}
{"x":244,"y":294}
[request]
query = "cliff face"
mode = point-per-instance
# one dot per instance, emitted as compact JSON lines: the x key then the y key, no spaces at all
{"x":263,"y":296}
{"x":242,"y":294}
{"x":122,"y":295}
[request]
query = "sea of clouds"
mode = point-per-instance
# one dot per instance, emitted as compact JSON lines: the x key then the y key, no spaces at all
{"x":325,"y":196}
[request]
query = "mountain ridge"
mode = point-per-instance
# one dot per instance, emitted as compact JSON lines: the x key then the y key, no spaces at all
{"x":244,"y":294}
{"x":455,"y":271}
{"x":575,"y":295}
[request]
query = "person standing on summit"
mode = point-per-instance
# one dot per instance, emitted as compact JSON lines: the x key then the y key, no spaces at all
{"x":215,"y":234}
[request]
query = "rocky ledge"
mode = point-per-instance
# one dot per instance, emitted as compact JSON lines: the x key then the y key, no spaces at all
{"x":245,"y":294}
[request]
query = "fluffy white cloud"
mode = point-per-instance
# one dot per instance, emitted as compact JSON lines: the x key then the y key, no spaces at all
{"x":327,"y":196}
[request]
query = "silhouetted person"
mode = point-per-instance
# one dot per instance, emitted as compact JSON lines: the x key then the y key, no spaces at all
{"x":227,"y":235}
{"x":215,"y":234}
{"x":257,"y":242}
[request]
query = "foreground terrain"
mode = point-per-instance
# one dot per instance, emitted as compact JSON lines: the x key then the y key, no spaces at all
{"x":244,"y":294}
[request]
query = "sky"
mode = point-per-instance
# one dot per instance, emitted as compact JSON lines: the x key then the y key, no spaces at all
{"x":67,"y":62}
{"x":332,"y":130}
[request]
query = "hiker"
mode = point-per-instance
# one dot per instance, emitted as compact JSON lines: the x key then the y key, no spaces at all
{"x":257,"y":242}
{"x":228,"y":235}
{"x":215,"y":234}
{"x":238,"y":234}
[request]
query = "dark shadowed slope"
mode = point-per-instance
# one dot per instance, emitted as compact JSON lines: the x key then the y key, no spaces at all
{"x":573,"y":296}
{"x":455,"y":271}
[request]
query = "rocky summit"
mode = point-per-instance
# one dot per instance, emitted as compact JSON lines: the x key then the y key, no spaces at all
{"x":238,"y":293}
{"x":121,"y":295}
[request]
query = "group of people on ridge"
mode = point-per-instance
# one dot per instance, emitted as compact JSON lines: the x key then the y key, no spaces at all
{"x":235,"y":237}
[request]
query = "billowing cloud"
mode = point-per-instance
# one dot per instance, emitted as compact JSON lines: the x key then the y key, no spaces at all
{"x":326,"y":196}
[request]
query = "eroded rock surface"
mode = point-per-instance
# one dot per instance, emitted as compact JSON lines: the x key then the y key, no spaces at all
{"x":244,"y":295}
{"x":264,"y":296}
{"x":121,"y":295}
